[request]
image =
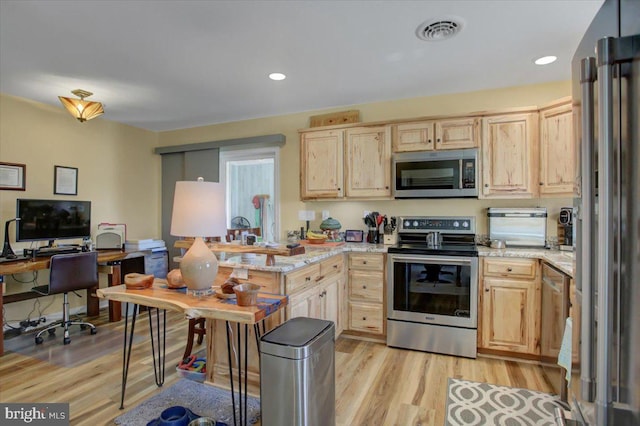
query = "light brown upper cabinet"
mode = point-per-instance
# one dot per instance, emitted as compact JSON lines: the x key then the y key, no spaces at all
{"x":454,"y":133}
{"x":510,"y":156}
{"x":321,"y":164}
{"x":351,"y":163}
{"x":368,"y":162}
{"x":557,"y":150}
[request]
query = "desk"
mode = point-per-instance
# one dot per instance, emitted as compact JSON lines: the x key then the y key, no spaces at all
{"x":109,"y":262}
{"x":209,"y":307}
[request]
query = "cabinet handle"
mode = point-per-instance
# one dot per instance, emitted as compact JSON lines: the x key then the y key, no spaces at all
{"x":429,"y":141}
{"x":339,"y":189}
{"x":364,"y":287}
{"x":541,"y":183}
{"x":364,"y":318}
{"x":509,"y":269}
{"x":307,"y":278}
{"x":438,"y":140}
{"x":335,"y":266}
{"x":364,"y":262}
{"x":386,"y":187}
{"x":486,"y":185}
{"x":486,"y":290}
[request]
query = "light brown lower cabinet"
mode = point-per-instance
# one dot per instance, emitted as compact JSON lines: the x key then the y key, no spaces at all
{"x":366,"y":293}
{"x":510,"y":306}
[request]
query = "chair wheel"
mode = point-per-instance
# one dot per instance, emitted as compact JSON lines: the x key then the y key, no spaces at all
{"x":39,"y":340}
{"x":66,"y":340}
{"x":52,"y":331}
{"x":94,"y":330}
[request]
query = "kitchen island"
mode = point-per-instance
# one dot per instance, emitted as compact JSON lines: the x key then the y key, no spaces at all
{"x":347,"y":284}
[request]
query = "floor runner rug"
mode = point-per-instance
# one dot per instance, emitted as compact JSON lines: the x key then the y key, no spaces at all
{"x":203,"y":400}
{"x":84,"y":347}
{"x":473,"y":403}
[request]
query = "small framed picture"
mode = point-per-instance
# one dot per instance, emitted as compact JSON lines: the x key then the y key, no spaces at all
{"x":12,"y":176}
{"x":65,"y":180}
{"x":353,"y":236}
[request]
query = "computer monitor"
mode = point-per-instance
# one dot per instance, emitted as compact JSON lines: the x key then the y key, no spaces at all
{"x":49,"y":220}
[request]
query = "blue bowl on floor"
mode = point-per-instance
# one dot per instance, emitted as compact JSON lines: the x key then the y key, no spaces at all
{"x":177,"y":416}
{"x":174,"y":416}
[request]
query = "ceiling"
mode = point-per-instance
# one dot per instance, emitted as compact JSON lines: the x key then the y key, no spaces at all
{"x":164,"y":65}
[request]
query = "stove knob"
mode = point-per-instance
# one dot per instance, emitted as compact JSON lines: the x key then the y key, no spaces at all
{"x":406,"y":223}
{"x":465,"y":224}
{"x":415,"y":223}
{"x":456,"y":224}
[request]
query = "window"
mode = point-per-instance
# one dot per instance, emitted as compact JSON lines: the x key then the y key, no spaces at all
{"x":252,"y":187}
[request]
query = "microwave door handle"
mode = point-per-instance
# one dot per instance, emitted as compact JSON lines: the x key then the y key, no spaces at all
{"x":460,"y":171}
{"x":588,"y":77}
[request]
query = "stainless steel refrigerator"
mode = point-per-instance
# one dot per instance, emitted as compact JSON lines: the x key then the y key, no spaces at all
{"x":605,"y":381}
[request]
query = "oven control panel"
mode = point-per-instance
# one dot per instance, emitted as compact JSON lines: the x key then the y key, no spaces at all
{"x":418,"y":224}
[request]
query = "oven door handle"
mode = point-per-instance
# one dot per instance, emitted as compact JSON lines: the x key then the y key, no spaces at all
{"x":455,"y":260}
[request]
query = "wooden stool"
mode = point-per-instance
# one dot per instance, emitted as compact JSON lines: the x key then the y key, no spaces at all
{"x":196,"y":326}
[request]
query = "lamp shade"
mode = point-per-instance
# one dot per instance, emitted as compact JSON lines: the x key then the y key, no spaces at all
{"x":81,"y":109}
{"x":198,"y":209}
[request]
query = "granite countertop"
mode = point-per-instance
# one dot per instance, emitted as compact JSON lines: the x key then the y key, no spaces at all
{"x":563,"y":260}
{"x":286,"y":264}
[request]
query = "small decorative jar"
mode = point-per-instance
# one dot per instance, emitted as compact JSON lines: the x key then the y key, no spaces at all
{"x":331,"y":228}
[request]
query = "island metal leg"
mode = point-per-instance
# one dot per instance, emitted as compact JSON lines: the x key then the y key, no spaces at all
{"x":159,"y":364}
{"x":241,"y":418}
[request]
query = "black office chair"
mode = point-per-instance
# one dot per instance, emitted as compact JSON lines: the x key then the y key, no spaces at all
{"x":69,"y":272}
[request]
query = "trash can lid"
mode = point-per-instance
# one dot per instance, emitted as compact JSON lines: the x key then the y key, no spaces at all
{"x":297,"y":332}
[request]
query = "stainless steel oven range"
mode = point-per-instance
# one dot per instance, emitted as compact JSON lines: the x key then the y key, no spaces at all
{"x":432,"y":292}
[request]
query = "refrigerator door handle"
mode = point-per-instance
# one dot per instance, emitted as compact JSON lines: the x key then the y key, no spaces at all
{"x":588,"y":74}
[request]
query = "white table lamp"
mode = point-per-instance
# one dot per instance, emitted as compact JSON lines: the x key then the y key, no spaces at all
{"x":198,"y":211}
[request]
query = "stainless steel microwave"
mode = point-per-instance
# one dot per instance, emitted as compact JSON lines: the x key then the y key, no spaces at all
{"x":435,"y":174}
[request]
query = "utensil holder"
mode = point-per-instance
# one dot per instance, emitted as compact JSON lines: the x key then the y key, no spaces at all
{"x":373,"y":236}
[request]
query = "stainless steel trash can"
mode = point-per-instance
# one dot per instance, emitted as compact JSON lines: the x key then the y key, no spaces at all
{"x":297,"y":374}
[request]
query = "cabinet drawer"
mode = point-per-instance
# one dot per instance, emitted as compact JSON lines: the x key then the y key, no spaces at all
{"x":366,"y":261}
{"x":367,"y":317}
{"x":366,"y":285}
{"x":332,"y":266}
{"x":512,"y":268}
{"x":302,"y":278}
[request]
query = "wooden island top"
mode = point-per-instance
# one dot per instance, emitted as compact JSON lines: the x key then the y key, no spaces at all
{"x":197,"y":306}
{"x":237,"y":248}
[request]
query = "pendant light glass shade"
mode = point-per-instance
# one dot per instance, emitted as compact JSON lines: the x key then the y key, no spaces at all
{"x":81,"y":109}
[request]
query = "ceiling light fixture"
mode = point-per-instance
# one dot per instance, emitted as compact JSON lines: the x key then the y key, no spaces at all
{"x":545,"y":60}
{"x":81,"y":109}
{"x":277,"y":76}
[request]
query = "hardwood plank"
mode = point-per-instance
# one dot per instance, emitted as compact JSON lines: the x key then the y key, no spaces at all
{"x":375,"y":384}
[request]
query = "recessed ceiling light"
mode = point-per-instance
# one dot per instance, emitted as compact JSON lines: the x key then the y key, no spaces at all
{"x":545,"y":60}
{"x":277,"y":76}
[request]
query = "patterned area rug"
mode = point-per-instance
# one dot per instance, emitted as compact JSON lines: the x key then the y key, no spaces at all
{"x":203,"y":400}
{"x":473,"y":403}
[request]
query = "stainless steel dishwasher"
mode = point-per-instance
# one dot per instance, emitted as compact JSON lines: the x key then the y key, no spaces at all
{"x":297,"y":374}
{"x":555,"y":310}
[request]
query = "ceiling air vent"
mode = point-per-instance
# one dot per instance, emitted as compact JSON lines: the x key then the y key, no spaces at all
{"x":438,"y":29}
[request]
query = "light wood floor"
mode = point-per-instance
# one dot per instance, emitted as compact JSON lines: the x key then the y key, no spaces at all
{"x":375,"y":385}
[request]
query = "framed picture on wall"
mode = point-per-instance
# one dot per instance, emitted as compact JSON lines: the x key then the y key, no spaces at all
{"x":12,"y":176}
{"x":65,"y":180}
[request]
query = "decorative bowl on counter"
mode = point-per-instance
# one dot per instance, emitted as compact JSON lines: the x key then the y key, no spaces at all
{"x":317,"y":240}
{"x":135,"y":281}
{"x":247,"y":294}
